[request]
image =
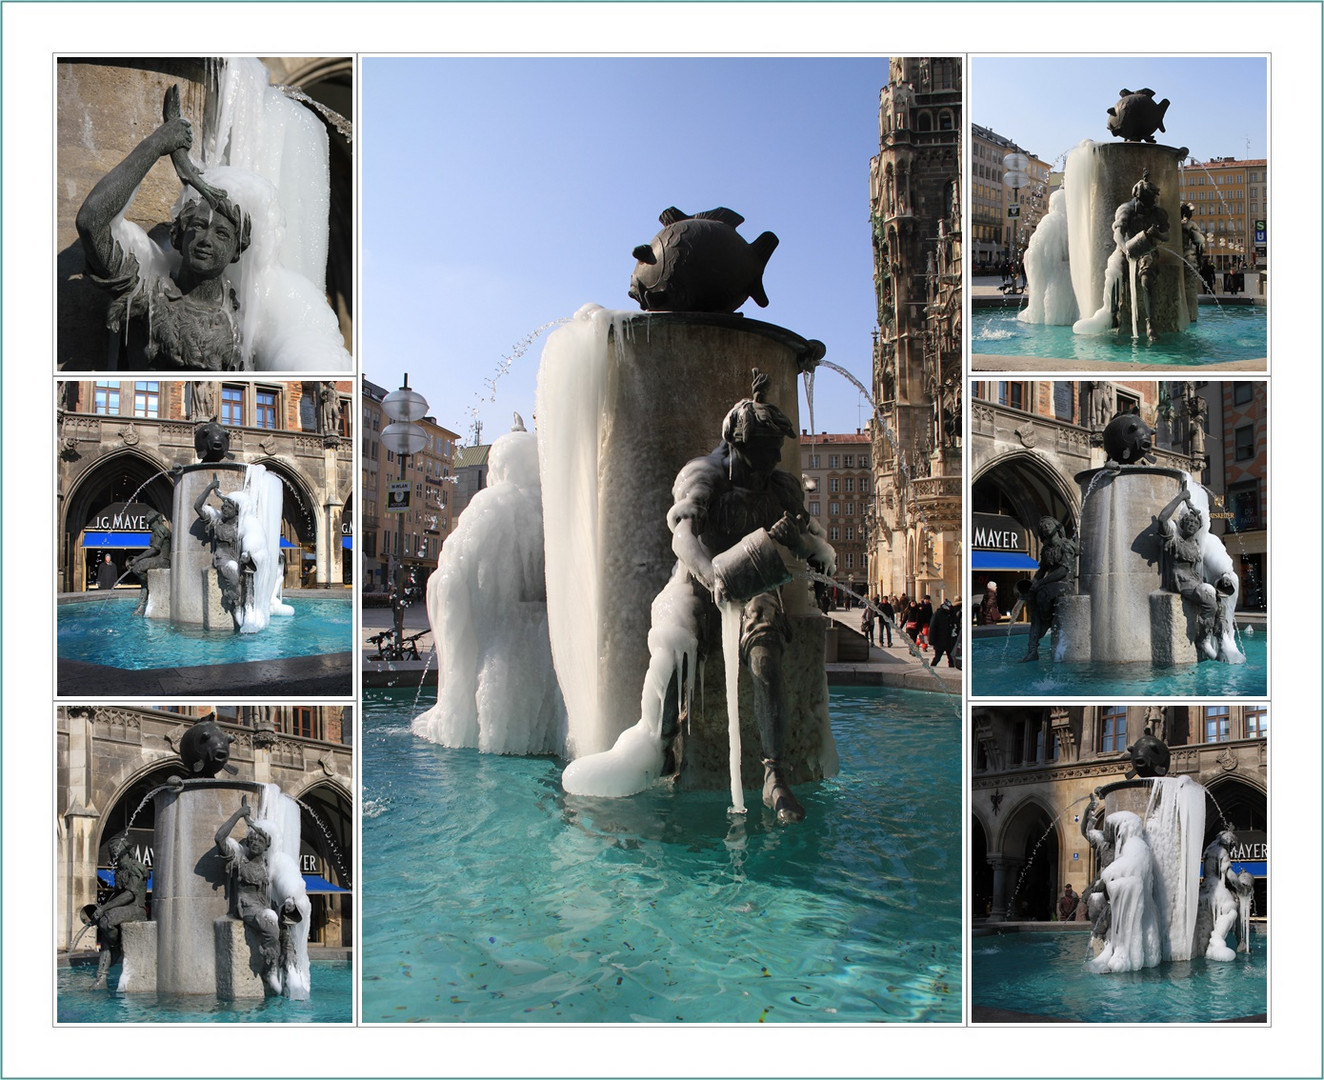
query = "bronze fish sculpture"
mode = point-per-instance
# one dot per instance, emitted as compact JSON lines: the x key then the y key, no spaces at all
{"x":205,"y":749}
{"x":1150,"y":756}
{"x":1136,"y":116}
{"x":700,"y":263}
{"x":1127,"y":440}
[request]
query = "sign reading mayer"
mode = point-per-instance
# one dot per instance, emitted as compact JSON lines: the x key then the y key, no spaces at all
{"x":997,"y":532}
{"x":120,"y":517}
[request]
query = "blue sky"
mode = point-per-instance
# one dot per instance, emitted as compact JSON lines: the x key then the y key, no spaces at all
{"x":500,"y":194}
{"x":1049,"y":104}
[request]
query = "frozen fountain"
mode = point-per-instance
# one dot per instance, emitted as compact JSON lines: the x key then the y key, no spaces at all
{"x":225,"y":570}
{"x":241,"y":283}
{"x":1110,"y":256}
{"x":626,"y":402}
{"x":230,"y":917}
{"x":1149,"y":904}
{"x":1155,"y":585}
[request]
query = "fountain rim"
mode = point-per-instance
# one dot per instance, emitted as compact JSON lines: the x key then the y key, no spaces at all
{"x":807,"y":352}
{"x":1084,"y":478}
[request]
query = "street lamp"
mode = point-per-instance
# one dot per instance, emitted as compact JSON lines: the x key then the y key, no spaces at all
{"x":403,"y":437}
{"x":1015,"y":175}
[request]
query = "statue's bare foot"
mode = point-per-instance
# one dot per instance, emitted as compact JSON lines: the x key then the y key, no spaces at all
{"x":778,"y":797}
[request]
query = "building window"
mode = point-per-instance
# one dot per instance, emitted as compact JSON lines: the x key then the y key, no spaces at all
{"x":308,"y":410}
{"x":850,"y":509}
{"x":813,"y":509}
{"x":1244,"y":501}
{"x":813,"y":461}
{"x":848,"y":462}
{"x":1257,"y":722}
{"x":834,"y":461}
{"x":1112,"y":729}
{"x":107,"y":398}
{"x":834,"y":510}
{"x":268,"y":402}
{"x":232,"y":405}
{"x":850,"y":483}
{"x":834,"y":533}
{"x":834,"y":484}
{"x":302,"y":722}
{"x":850,"y":532}
{"x":1011,"y":394}
{"x":1242,"y":392}
{"x":850,"y":561}
{"x":864,"y":461}
{"x":1217,"y":723}
{"x":1245,"y":442}
{"x":147,"y":400}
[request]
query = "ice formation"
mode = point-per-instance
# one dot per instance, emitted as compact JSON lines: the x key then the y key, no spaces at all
{"x":1050,"y":299}
{"x":260,"y":501}
{"x":281,"y":823}
{"x":487,"y":604}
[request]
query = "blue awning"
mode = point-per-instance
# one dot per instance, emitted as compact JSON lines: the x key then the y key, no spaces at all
{"x":286,"y":544}
{"x":315,"y":883}
{"x":116,"y":539}
{"x":347,"y":542}
{"x":107,"y":879}
{"x":312,"y":883}
{"x":1002,"y":560}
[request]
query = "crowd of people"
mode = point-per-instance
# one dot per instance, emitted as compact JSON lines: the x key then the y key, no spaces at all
{"x":927,"y":628}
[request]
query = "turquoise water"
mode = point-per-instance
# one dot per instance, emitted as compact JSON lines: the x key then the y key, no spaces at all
{"x":332,"y":1001}
{"x":1045,"y":974}
{"x":107,"y":632}
{"x":491,"y":895}
{"x":1220,"y":334}
{"x":996,"y":671}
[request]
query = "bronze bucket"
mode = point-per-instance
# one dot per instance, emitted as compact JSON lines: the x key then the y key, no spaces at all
{"x":751,"y":567}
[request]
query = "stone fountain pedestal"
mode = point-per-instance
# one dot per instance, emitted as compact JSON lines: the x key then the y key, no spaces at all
{"x":194,"y":945}
{"x":670,"y":380}
{"x":187,"y":592}
{"x":1121,"y":613}
{"x":1099,"y":178}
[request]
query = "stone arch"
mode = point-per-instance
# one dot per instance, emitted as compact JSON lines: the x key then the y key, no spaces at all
{"x":945,"y":120}
{"x":924,"y":120}
{"x":326,"y":804}
{"x":112,"y":477}
{"x":1029,"y":835}
{"x":1025,"y":485}
{"x":981,"y":873}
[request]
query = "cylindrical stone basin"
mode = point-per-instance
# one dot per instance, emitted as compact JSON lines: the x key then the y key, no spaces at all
{"x":190,"y":542}
{"x":189,"y":875}
{"x":1120,"y":556}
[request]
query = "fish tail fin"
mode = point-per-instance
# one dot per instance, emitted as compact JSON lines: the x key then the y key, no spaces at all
{"x":763,"y":247}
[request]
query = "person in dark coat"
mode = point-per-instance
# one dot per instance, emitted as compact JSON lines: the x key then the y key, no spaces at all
{"x":942,"y":633}
{"x":887,"y":616}
{"x":106,"y":575}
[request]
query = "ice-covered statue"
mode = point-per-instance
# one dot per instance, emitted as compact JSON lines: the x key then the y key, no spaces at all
{"x":1139,"y":227}
{"x":1225,"y":900}
{"x":731,"y":510}
{"x":487,"y":604}
{"x":1184,"y":546}
{"x":240,"y":285}
{"x":1134,"y":937}
{"x":191,"y":310}
{"x":268,"y":894}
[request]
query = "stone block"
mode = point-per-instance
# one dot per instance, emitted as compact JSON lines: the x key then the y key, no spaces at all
{"x":158,"y":594}
{"x":1071,"y":630}
{"x":138,"y":971}
{"x":214,"y":615}
{"x":1169,"y":640}
{"x":238,"y":961}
